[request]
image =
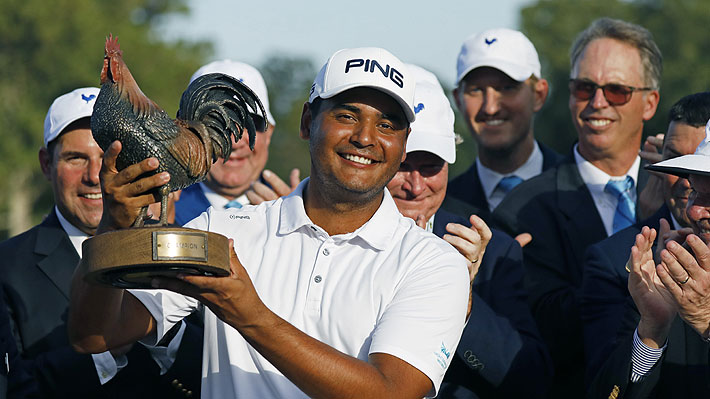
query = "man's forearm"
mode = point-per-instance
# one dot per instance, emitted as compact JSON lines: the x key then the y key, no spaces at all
{"x":101,"y":317}
{"x":324,"y":372}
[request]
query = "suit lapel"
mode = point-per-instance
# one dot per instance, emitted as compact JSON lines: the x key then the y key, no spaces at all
{"x":549,"y":157}
{"x":59,"y":256}
{"x":583,"y":224}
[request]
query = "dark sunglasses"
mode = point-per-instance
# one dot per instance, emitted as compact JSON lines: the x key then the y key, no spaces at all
{"x":615,"y":94}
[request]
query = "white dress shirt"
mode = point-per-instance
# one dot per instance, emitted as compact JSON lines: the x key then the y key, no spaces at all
{"x":388,"y":287}
{"x":490,"y":178}
{"x":596,"y":180}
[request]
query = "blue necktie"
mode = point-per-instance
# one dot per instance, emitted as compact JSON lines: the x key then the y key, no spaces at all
{"x":232,"y":204}
{"x":509,"y":182}
{"x":625,"y":214}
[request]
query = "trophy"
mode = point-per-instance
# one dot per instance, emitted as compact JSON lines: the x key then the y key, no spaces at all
{"x":213,"y":109}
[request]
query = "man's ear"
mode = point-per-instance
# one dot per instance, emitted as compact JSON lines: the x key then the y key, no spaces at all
{"x":45,"y":162}
{"x":650,"y":104}
{"x":456,"y":98}
{"x":406,"y":136}
{"x":540,"y":90}
{"x":306,"y":119}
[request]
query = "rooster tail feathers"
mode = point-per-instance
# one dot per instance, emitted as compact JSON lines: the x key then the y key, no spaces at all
{"x":221,"y":103}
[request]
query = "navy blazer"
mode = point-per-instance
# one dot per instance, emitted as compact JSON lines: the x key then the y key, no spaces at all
{"x":605,"y":289}
{"x":558,"y":210}
{"x":191,"y":204}
{"x":37,"y":268}
{"x":501,"y":354}
{"x":467,"y":186}
{"x":610,"y":319}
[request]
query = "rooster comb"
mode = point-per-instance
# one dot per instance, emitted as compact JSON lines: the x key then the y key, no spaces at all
{"x":112,"y":45}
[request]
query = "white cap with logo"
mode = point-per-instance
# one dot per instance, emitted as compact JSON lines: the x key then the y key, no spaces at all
{"x":68,"y":108}
{"x":433,"y":131}
{"x":504,"y":49}
{"x":692,"y":164}
{"x":244,"y":73}
{"x":365,"y":67}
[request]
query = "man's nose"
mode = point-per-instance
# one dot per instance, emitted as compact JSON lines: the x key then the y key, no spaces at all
{"x":698,"y":207}
{"x":91,"y":176}
{"x":364,"y":134}
{"x":598,"y":100}
{"x":415,"y":183}
{"x":491,"y":101}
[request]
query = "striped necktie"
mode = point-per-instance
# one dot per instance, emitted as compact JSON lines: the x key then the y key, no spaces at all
{"x":625,"y":214}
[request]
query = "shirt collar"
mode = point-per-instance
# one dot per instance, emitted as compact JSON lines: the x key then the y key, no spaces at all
{"x":531,"y":168}
{"x":376,"y":232}
{"x":596,"y":179}
{"x":76,"y":236}
{"x":219,"y":201}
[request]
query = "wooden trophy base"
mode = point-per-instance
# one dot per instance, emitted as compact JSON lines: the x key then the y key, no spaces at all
{"x":131,"y":258}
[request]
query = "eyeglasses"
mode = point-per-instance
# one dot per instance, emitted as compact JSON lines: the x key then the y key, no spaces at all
{"x":615,"y":94}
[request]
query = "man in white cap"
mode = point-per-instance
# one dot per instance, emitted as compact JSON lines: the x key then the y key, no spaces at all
{"x":334,"y":292}
{"x":38,"y":266}
{"x":670,"y":287}
{"x":610,"y":319}
{"x":501,"y":353}
{"x":592,"y":192}
{"x":499,"y":89}
{"x":227,"y":183}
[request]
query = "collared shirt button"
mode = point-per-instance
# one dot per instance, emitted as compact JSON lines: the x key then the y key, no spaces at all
{"x":318,"y":279}
{"x":326,"y":252}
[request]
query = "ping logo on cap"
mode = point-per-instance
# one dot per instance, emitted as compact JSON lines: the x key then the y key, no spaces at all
{"x":88,"y":98}
{"x":418,"y":108}
{"x":369,"y":66}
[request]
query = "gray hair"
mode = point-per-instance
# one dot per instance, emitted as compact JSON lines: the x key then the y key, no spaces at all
{"x":625,"y":32}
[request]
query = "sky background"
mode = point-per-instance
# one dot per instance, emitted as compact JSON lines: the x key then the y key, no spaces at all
{"x":427,"y":33}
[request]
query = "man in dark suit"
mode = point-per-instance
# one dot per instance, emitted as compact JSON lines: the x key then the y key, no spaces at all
{"x":39,"y":264}
{"x":604,"y":291}
{"x":611,"y":319}
{"x":498,"y":91}
{"x":241,"y":179}
{"x":592,"y":193}
{"x":500,"y":354}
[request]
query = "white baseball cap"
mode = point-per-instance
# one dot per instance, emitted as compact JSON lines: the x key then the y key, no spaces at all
{"x":422,"y":75}
{"x":692,"y":164}
{"x":433,"y":131}
{"x":68,"y":108}
{"x":244,"y":73}
{"x":365,"y":67}
{"x":504,"y":49}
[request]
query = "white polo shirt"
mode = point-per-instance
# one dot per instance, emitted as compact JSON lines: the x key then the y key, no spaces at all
{"x":388,"y":287}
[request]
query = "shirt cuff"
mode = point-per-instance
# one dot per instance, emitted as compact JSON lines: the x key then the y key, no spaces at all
{"x":643,"y":358}
{"x":165,"y":355}
{"x":107,"y":366}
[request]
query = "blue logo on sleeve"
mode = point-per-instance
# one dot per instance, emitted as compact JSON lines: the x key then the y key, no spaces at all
{"x":442,"y":356}
{"x":418,"y":108}
{"x":88,"y":98}
{"x":490,"y":41}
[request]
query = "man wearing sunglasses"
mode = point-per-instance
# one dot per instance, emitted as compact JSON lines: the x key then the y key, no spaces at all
{"x":227,"y":182}
{"x":592,"y":193}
